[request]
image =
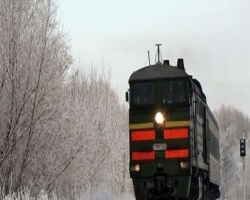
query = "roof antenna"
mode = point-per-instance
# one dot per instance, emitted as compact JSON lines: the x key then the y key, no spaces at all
{"x":149,"y":58}
{"x":158,"y":55}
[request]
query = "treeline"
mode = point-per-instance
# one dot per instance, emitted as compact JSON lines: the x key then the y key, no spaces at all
{"x":233,"y":123}
{"x":60,"y":132}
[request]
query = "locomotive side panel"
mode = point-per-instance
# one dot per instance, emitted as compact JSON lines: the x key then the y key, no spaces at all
{"x":214,"y":150}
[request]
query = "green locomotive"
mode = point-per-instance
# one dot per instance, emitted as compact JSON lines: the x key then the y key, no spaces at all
{"x":173,"y":136}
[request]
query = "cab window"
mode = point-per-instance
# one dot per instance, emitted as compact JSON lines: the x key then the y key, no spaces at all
{"x":144,"y":93}
{"x":173,"y":91}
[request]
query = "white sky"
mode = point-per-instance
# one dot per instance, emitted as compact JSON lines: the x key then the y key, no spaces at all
{"x":212,"y":36}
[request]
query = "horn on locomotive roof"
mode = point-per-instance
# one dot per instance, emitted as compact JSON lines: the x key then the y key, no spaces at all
{"x":180,"y":64}
{"x":158,"y":55}
{"x":166,"y":62}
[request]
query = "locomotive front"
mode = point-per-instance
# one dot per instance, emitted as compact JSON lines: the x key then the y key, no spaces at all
{"x":159,"y":131}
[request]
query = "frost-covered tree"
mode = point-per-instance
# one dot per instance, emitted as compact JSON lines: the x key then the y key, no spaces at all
{"x":59,"y":133}
{"x":97,"y":123}
{"x":33,"y":59}
{"x":232,"y":124}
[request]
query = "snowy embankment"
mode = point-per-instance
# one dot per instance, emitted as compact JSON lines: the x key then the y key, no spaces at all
{"x":101,"y":195}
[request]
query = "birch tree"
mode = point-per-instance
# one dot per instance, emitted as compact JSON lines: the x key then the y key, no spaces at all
{"x":97,"y":125}
{"x":57,"y":134}
{"x":33,"y":59}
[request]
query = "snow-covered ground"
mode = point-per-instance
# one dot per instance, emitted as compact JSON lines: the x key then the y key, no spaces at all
{"x":100,"y":195}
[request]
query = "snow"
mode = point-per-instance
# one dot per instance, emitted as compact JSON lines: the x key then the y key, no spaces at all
{"x":103,"y":194}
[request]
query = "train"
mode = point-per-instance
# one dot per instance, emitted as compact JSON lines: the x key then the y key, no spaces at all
{"x":173,"y":135}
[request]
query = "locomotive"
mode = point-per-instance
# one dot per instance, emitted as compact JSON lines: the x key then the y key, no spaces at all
{"x":173,"y":135}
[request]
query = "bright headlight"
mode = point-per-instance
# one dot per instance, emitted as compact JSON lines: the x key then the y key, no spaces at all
{"x":184,"y":164}
{"x":159,"y":118}
{"x":135,"y":168}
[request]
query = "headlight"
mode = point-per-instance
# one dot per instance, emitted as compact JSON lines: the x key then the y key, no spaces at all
{"x":135,"y":168}
{"x":184,"y":164}
{"x":159,"y":118}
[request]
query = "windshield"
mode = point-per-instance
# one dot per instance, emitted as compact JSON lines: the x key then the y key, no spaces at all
{"x":173,"y":91}
{"x":144,"y":93}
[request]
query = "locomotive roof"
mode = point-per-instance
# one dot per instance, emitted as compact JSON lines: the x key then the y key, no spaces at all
{"x":159,"y":71}
{"x":156,"y":72}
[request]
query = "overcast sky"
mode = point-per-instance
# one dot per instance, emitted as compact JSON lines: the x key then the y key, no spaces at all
{"x":212,"y":36}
